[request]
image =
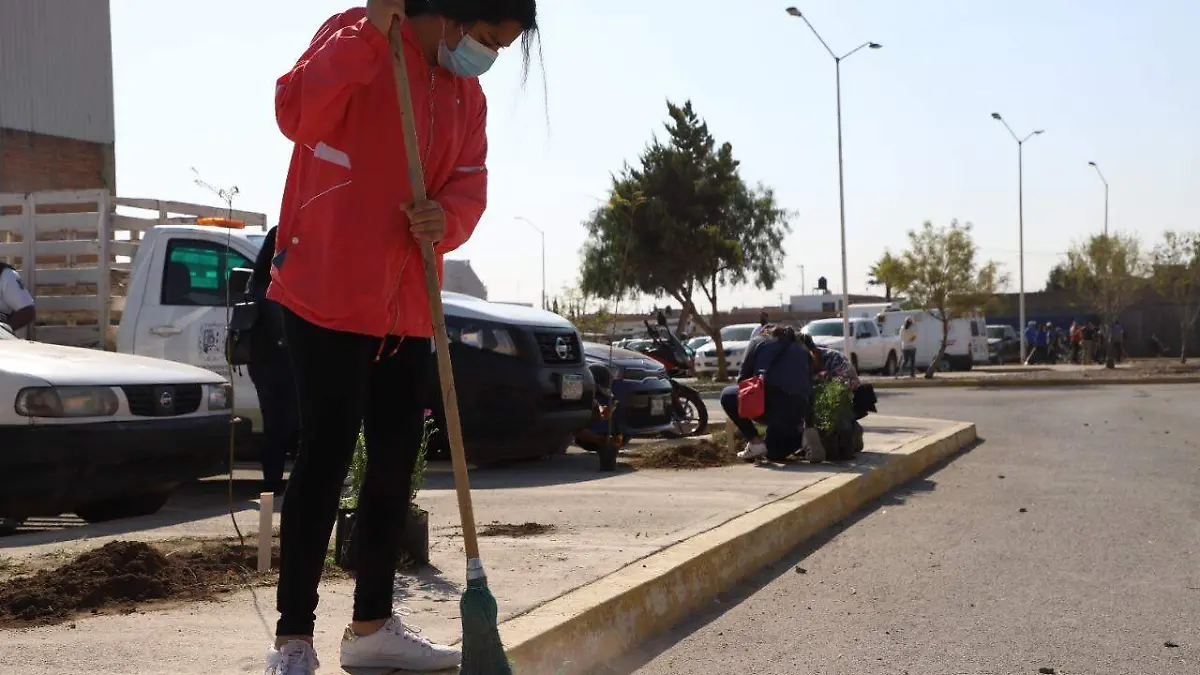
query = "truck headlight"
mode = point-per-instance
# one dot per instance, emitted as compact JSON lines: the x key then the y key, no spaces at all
{"x":67,"y":402}
{"x":220,"y":396}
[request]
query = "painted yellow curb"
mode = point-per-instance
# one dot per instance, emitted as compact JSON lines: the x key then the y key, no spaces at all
{"x":987,"y":383}
{"x":598,"y":622}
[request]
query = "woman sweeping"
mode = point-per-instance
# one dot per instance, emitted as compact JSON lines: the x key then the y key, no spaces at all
{"x":347,"y":271}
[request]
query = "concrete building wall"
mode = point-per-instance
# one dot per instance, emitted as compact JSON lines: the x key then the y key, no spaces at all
{"x":57,"y":126}
{"x":459,"y":277}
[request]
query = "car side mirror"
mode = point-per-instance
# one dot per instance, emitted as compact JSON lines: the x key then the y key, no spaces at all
{"x":239,"y":280}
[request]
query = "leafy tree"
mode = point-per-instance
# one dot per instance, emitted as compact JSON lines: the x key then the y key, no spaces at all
{"x":683,"y":220}
{"x":1106,"y":271}
{"x":889,"y":272}
{"x":1176,"y":275}
{"x":945,"y":279}
{"x":1059,"y":279}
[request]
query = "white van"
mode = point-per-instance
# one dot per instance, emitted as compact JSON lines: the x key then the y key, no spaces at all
{"x":966,"y":345}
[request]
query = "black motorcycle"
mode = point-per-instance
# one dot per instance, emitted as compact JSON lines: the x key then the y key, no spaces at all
{"x":691,"y":415}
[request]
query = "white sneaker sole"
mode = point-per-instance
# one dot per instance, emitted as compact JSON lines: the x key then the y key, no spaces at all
{"x":380,"y":663}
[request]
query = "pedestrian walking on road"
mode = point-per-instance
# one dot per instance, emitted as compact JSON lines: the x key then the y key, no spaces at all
{"x":348,"y":272}
{"x":908,"y":347}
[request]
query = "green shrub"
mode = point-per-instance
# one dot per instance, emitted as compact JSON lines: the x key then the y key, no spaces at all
{"x":831,"y":402}
{"x":358,"y":467}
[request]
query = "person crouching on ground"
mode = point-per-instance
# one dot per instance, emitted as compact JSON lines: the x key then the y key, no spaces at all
{"x":347,"y":270}
{"x":785,"y":366}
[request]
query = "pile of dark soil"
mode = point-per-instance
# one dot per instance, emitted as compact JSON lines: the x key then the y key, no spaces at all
{"x":508,"y":530}
{"x":123,"y":574}
{"x":699,"y":454}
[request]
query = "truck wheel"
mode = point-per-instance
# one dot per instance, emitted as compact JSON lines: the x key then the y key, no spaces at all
{"x":889,"y":368}
{"x":132,"y":506}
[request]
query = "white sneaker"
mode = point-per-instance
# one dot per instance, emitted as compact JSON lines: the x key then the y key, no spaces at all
{"x":296,"y":658}
{"x":816,"y":449}
{"x":398,"y":647}
{"x":754,"y":449}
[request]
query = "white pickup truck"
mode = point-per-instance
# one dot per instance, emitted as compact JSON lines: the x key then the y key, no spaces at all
{"x":869,"y":351}
{"x":524,"y":386}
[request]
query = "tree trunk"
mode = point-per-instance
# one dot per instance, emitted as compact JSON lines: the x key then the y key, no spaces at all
{"x":1183,"y":335}
{"x":683,"y":318}
{"x":941,"y":349}
{"x":722,"y":365}
{"x":887,"y":292}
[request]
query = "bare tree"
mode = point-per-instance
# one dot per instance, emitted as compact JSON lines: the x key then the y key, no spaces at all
{"x":943,"y":276}
{"x":1176,"y":276}
{"x":1106,"y":271}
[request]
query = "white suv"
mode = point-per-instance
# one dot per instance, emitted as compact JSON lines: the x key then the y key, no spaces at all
{"x":733,"y":340}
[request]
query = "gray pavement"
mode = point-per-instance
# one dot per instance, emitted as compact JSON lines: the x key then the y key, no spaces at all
{"x":1067,"y":539}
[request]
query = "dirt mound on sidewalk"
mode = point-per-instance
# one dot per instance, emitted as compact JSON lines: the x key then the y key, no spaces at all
{"x":699,"y":454}
{"x":123,"y":574}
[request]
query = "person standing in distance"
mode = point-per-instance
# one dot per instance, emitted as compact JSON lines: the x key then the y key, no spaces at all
{"x":16,"y":302}
{"x":347,"y":271}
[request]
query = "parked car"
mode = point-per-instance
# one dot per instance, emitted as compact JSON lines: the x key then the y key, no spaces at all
{"x":698,"y":342}
{"x":641,"y":388}
{"x":103,"y":435}
{"x":523,"y":385}
{"x":870,"y":350}
{"x":1004,"y":344}
{"x":733,"y":341}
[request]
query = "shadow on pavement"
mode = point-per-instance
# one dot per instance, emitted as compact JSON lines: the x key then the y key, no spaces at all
{"x":576,"y":466}
{"x":897,"y":496}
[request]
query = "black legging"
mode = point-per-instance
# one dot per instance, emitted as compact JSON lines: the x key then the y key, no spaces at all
{"x":340,"y":385}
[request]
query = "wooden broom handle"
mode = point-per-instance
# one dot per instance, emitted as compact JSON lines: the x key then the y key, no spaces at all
{"x":458,"y":455}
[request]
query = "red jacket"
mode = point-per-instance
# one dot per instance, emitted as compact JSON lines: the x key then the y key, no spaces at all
{"x":344,"y":256}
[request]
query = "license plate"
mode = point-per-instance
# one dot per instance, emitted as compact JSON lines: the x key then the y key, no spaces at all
{"x":657,"y":406}
{"x":572,"y":387}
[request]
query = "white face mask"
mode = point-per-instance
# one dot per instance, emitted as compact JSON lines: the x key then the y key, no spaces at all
{"x":470,"y":59}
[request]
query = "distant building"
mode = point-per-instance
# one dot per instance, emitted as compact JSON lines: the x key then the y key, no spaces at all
{"x":57,"y":128}
{"x":459,"y":277}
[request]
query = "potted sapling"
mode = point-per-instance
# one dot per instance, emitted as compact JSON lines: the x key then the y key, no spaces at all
{"x":415,"y":542}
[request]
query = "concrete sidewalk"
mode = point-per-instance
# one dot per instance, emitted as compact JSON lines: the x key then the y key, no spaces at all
{"x":601,"y":523}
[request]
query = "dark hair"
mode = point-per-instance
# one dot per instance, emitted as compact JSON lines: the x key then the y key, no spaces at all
{"x":784,"y":333}
{"x":524,"y":12}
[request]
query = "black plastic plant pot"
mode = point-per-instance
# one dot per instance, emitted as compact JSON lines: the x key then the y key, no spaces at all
{"x":415,"y":543}
{"x":608,"y":454}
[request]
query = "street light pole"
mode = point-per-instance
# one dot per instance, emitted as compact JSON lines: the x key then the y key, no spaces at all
{"x":1105,"y":181}
{"x":543,"y":234}
{"x":1020,"y":222}
{"x":837,"y":63}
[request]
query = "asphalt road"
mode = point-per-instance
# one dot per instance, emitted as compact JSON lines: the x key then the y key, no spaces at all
{"x":1067,"y":539}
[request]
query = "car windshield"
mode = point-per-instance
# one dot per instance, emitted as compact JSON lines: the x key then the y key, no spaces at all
{"x":823,"y":329}
{"x":736,"y":333}
{"x":996,"y":332}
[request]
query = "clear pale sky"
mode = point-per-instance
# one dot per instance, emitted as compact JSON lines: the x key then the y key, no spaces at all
{"x":1110,"y":81}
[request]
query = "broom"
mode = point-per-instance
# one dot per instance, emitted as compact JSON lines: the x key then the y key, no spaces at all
{"x":483,"y":653}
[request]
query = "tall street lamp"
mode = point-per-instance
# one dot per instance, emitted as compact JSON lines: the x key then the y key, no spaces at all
{"x":837,"y":62}
{"x":1102,"y":179}
{"x":1020,"y":220}
{"x":543,"y":234}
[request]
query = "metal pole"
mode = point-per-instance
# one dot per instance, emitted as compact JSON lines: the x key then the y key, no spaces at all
{"x":543,"y":268}
{"x":1021,"y":244}
{"x":842,"y":206}
{"x":1106,"y":208}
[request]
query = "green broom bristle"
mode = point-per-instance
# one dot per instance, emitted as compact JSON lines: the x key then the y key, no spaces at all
{"x":482,"y":651}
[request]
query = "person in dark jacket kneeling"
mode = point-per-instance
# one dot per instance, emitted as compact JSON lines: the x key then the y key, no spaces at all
{"x":786,"y":368}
